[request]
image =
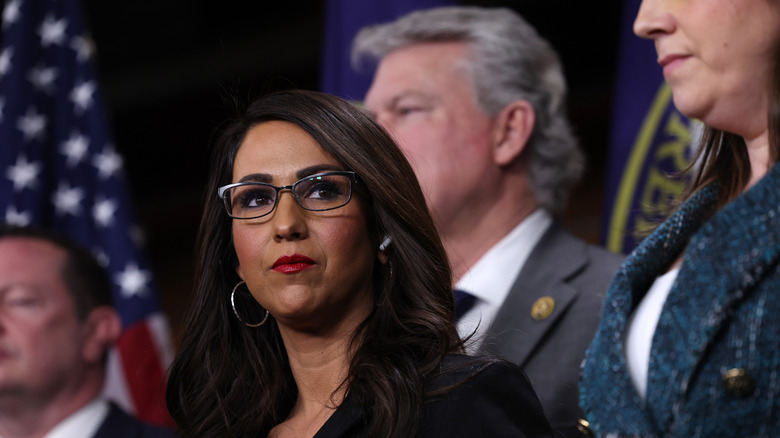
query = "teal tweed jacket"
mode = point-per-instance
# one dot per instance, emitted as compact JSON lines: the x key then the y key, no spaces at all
{"x":715,"y":358}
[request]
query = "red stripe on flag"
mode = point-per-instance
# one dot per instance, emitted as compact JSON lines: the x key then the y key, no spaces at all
{"x":144,"y":374}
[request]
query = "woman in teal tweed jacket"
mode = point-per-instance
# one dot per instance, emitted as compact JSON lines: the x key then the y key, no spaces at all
{"x":714,"y":362}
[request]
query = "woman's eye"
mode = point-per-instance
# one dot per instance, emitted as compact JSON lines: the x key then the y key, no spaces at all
{"x":323,"y":191}
{"x":256,"y":198}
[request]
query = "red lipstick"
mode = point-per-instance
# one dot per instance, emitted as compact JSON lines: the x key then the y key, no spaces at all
{"x":292,"y":264}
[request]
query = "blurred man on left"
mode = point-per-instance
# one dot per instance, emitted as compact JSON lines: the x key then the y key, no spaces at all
{"x":56,"y":326}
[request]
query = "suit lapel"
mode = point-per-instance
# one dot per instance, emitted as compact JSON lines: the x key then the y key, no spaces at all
{"x":723,"y":262}
{"x":515,"y":333}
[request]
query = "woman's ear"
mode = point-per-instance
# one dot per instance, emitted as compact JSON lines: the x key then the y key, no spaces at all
{"x":514,"y":126}
{"x":381,"y":254}
{"x":101,"y":331}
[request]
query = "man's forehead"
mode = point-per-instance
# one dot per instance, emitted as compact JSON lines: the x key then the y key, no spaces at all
{"x":30,"y":246}
{"x":29,"y":256}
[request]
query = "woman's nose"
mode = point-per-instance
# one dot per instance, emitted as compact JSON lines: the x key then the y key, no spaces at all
{"x":288,"y":220}
{"x":654,"y":19}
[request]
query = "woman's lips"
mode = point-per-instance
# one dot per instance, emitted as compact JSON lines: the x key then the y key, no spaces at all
{"x":292,"y":264}
{"x":669,"y":62}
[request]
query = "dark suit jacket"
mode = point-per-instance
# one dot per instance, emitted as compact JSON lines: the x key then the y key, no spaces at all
{"x":551,"y":350}
{"x":120,"y":425}
{"x":715,"y":354}
{"x":491,"y":399}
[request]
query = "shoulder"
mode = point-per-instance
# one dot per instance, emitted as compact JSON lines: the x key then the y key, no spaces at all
{"x":481,"y":396}
{"x":459,"y":369}
{"x":118,"y":424}
{"x":561,"y":246}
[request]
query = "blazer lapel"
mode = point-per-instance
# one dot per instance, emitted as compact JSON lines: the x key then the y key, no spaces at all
{"x":348,"y":420}
{"x":722,"y":263}
{"x":514,"y":333}
{"x":607,"y":371}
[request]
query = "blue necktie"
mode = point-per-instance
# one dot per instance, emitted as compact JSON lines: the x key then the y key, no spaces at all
{"x":463,"y":302}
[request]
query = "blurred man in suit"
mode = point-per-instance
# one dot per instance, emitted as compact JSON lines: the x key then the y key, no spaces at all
{"x":56,"y":326}
{"x":476,"y":99}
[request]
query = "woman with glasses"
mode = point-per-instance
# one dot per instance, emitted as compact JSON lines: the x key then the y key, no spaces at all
{"x":323,"y":303}
{"x":689,"y":342}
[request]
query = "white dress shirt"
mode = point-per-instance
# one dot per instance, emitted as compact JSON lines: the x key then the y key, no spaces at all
{"x":491,"y":278}
{"x":641,"y":327}
{"x":82,"y":423}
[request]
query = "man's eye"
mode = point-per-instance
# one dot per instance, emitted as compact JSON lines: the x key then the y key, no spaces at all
{"x":406,"y":110}
{"x":21,"y":300}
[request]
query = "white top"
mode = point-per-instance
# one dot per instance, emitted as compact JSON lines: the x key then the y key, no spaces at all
{"x":641,"y":327}
{"x":82,"y":423}
{"x":491,"y":278}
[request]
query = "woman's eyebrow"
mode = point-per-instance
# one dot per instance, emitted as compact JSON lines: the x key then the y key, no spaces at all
{"x":318,"y":168}
{"x":257,"y":177}
{"x":302,"y":173}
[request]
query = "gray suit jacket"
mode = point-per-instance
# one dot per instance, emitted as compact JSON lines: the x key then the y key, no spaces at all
{"x":550,"y":350}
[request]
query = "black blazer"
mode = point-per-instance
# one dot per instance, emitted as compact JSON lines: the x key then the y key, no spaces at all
{"x":493,"y":398}
{"x":120,"y":425}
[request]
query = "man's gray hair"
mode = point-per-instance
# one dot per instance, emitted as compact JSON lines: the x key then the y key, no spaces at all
{"x":508,"y":61}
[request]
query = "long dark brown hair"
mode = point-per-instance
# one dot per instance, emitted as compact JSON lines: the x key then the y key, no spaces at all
{"x":229,"y":380}
{"x":722,"y":156}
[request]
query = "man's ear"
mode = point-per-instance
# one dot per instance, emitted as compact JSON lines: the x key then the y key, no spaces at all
{"x":514,"y":126}
{"x":101,"y":331}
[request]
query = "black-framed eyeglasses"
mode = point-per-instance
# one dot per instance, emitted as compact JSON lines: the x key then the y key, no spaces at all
{"x":320,"y":192}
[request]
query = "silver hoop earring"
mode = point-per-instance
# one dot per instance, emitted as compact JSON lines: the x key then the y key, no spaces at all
{"x":233,"y":305}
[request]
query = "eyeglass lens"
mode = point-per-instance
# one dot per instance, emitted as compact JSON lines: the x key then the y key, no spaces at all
{"x":319,"y":192}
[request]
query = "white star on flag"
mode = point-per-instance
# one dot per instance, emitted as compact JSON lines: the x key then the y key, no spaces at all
{"x":24,"y":174}
{"x":5,"y":60}
{"x":11,"y":13}
{"x":83,"y":48}
{"x":107,"y":162}
{"x":13,"y":217}
{"x":132,"y":280}
{"x":67,"y":200}
{"x":103,"y":212}
{"x":43,"y":78}
{"x":81,"y":95}
{"x":32,"y":125}
{"x":74,"y":148}
{"x":52,"y":31}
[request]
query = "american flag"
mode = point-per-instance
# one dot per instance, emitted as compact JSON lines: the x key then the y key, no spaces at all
{"x":59,"y":169}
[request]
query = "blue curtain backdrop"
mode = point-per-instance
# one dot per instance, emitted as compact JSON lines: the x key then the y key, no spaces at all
{"x":650,"y":142}
{"x":344,"y":19}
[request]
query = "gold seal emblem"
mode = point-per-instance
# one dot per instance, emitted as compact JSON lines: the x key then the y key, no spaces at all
{"x":542,"y":308}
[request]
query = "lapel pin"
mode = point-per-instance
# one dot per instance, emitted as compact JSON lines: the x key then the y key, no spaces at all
{"x":542,"y":308}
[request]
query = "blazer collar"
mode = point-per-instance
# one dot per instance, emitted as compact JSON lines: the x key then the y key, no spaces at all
{"x":348,"y":420}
